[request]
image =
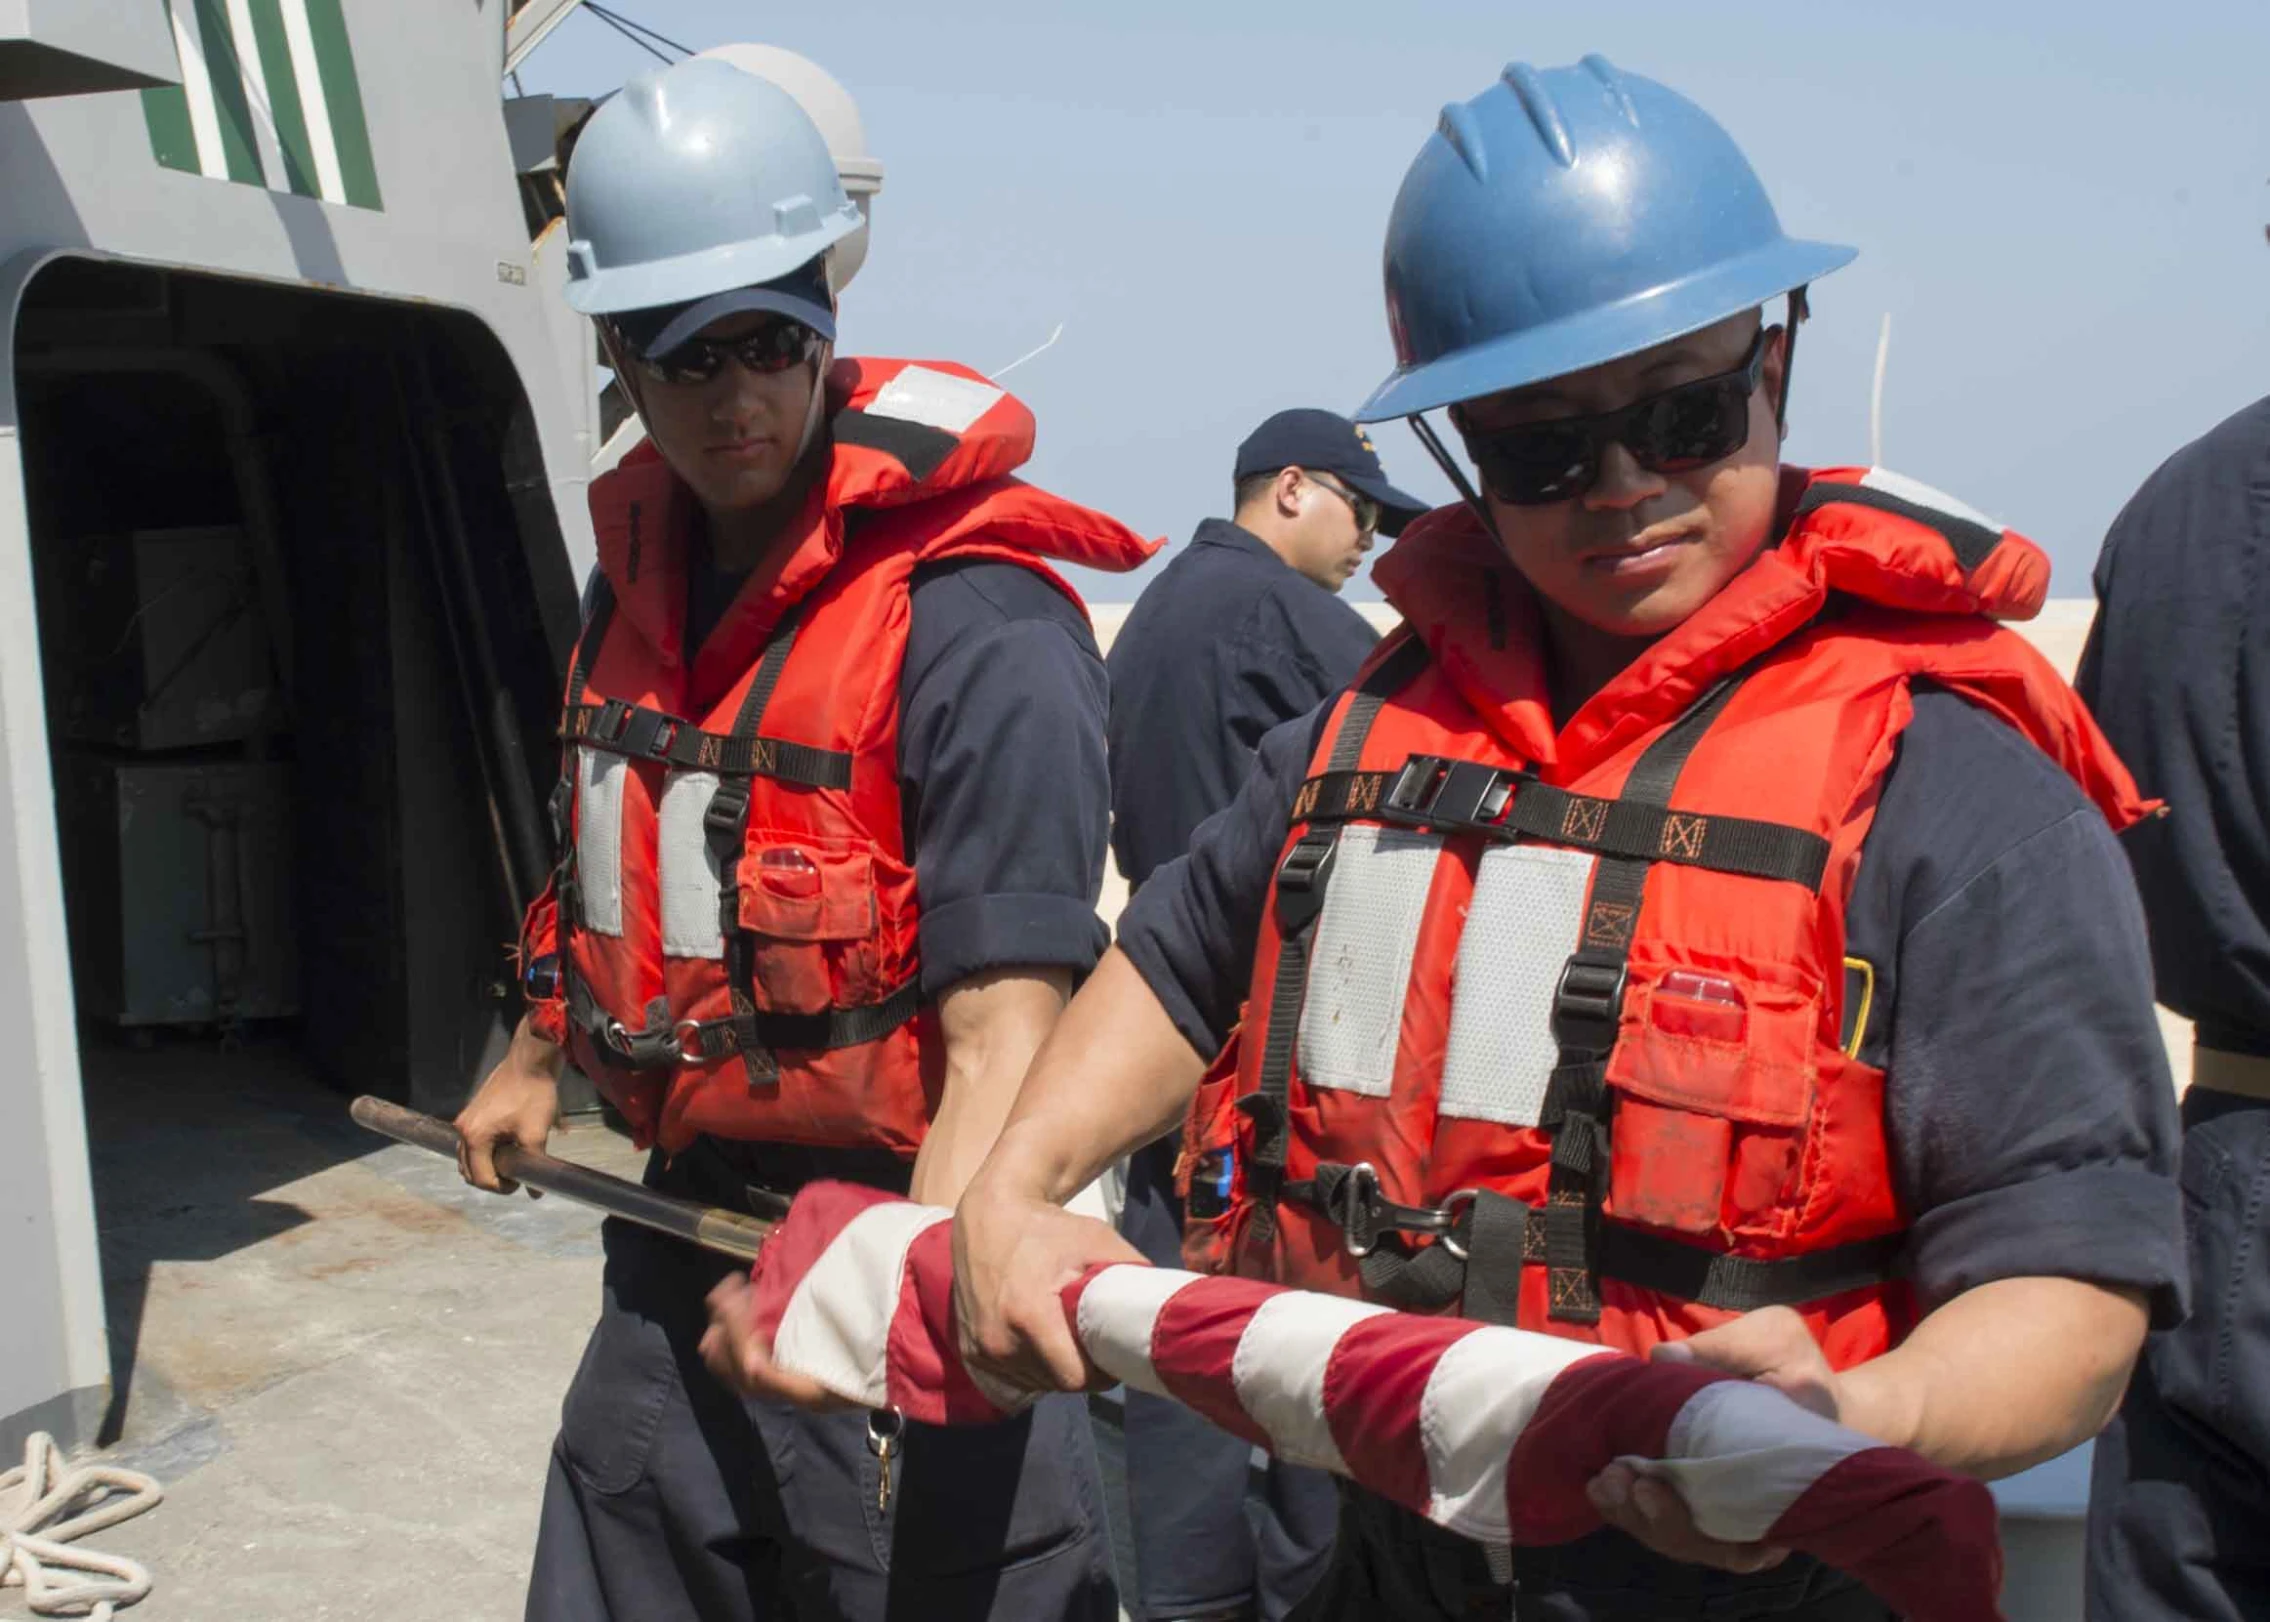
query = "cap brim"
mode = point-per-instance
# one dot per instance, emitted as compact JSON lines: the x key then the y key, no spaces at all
{"x":689,"y":322}
{"x":1396,"y":507}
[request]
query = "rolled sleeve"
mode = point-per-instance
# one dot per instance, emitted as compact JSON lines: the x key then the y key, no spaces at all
{"x":1001,"y":749}
{"x":1190,"y":930}
{"x":997,"y":931}
{"x":2032,"y":1112}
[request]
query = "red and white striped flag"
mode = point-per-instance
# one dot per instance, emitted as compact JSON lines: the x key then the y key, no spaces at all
{"x":1491,"y":1432}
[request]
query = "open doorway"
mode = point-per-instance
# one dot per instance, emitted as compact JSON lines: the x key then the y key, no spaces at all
{"x":302,"y":609}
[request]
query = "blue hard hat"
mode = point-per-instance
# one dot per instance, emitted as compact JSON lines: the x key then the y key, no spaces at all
{"x":1566,"y":217}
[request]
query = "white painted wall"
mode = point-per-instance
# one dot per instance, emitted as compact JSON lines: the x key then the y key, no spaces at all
{"x":51,"y":1309}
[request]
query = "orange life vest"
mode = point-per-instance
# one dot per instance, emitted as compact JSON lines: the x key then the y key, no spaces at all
{"x":735,"y":910}
{"x":1562,"y":1023}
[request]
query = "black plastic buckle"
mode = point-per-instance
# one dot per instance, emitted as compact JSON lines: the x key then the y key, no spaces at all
{"x":1417,"y":784}
{"x":1301,"y":878}
{"x":649,"y":734}
{"x":560,"y":809}
{"x":728,"y":809}
{"x":1588,"y":1004}
{"x":1434,"y":791}
{"x":608,"y":726}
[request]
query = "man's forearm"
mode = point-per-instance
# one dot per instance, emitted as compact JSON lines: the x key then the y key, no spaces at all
{"x":1114,"y":1074}
{"x":991,"y":1025}
{"x":2002,"y":1377}
{"x":536,"y":1051}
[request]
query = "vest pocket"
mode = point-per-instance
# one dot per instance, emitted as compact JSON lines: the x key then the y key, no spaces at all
{"x":1209,"y":1169}
{"x":814,"y":913}
{"x":1714,"y":1075}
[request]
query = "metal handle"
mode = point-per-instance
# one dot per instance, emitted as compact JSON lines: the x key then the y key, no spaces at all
{"x":728,"y":1233}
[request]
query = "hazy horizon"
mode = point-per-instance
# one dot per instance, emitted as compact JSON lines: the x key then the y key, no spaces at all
{"x":2065,"y":222}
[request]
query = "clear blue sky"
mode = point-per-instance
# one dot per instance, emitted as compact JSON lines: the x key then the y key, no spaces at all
{"x":2062,"y":207}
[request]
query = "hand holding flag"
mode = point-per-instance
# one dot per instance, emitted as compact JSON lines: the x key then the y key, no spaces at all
{"x":1489,"y":1431}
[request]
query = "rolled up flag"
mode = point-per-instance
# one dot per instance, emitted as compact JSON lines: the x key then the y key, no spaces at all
{"x":1488,"y":1431}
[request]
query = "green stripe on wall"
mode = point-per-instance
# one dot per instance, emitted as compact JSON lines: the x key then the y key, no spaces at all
{"x":284,"y":97}
{"x":229,"y":99}
{"x":166,"y":110}
{"x":350,"y":131}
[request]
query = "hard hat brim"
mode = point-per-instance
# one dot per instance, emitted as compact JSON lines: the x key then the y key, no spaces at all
{"x":694,"y":276}
{"x":1608,"y":333}
{"x":742,"y":300}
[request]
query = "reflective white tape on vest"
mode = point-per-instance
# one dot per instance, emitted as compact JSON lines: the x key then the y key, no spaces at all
{"x":1527,"y":913}
{"x":599,"y":839}
{"x":690,"y":880}
{"x":1916,"y":493}
{"x":1359,"y":963}
{"x":934,"y":399}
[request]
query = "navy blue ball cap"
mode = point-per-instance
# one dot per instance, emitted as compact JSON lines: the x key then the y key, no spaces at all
{"x":1325,"y":442}
{"x":801,"y":295}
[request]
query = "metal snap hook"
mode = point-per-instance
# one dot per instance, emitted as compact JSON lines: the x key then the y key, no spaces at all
{"x":1357,"y":1209}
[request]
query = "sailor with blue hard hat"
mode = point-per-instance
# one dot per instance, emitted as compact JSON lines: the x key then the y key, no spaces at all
{"x":1567,"y":218}
{"x":1699,"y":931}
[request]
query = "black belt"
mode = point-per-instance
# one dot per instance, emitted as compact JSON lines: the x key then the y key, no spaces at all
{"x":759,"y":1179}
{"x":1482,"y":1239}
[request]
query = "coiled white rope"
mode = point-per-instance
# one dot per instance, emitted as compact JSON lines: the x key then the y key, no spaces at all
{"x":45,"y":1506}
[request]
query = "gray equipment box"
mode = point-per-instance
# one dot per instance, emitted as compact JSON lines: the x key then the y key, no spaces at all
{"x":163,"y":643}
{"x":180,"y":878}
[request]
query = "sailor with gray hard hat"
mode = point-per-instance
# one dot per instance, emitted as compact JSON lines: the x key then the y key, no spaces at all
{"x":831,"y":824}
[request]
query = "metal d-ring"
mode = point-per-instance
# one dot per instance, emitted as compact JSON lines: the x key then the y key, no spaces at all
{"x":1452,"y":1204}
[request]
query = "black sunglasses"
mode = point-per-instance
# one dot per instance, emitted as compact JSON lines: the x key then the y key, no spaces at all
{"x":1692,"y":425}
{"x":1366,"y":510}
{"x":775,"y":347}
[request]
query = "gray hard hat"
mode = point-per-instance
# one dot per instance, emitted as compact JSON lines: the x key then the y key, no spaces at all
{"x":695,"y":181}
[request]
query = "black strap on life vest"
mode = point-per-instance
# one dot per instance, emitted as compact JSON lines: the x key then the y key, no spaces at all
{"x":596,"y":618}
{"x":726,"y":826}
{"x":919,"y":448}
{"x":1587,"y":1009}
{"x":1301,"y":878}
{"x":737,"y":757}
{"x":1507,"y":803}
{"x":757,"y":1037}
{"x":1483,"y":1240}
{"x":645,"y":734}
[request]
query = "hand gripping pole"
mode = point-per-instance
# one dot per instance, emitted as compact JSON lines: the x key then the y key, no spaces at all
{"x":729,"y":1233}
